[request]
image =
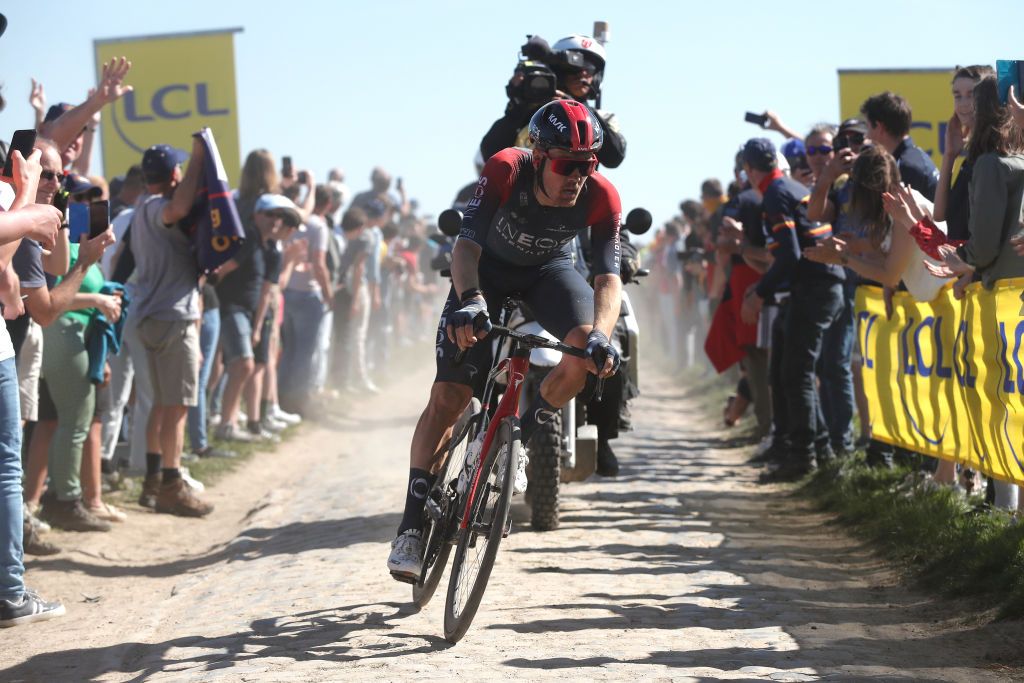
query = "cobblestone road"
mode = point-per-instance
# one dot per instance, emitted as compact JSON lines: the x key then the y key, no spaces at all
{"x":682,"y":569}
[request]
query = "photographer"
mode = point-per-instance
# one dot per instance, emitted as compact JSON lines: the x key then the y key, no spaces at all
{"x":571,"y":69}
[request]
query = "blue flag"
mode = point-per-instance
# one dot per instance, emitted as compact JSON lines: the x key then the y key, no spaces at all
{"x":218,"y":232}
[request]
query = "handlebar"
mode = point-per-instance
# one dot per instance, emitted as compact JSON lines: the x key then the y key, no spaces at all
{"x":533,"y":341}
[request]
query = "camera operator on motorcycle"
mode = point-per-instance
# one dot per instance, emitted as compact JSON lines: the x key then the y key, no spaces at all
{"x":572,"y":69}
{"x":516,"y":239}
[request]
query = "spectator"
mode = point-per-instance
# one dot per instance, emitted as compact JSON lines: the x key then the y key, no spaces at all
{"x":889,"y":117}
{"x":167,"y":307}
{"x":815,"y":302}
{"x":18,"y":219}
{"x":354,"y":264}
{"x":307,"y":293}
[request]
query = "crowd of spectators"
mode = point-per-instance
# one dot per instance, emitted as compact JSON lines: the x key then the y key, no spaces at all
{"x":763,"y":273}
{"x":121,"y":354}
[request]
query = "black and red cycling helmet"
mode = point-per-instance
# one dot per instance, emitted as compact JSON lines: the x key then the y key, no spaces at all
{"x":567,"y":125}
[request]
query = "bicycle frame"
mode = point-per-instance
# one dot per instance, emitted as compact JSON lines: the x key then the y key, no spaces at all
{"x":517,"y":364}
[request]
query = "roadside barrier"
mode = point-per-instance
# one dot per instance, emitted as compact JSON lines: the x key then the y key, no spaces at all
{"x":945,"y":378}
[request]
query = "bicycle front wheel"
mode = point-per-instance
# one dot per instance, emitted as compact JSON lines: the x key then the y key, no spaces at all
{"x":478,"y":542}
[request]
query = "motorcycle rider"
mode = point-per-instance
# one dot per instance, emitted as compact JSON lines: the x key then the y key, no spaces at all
{"x":578,"y":63}
{"x":517,"y":237}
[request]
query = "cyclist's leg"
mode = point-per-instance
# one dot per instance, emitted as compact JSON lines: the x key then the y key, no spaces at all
{"x":563,"y":303}
{"x":449,"y":396}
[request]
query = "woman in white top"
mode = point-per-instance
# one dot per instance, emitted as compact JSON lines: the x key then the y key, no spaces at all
{"x":886,"y":210}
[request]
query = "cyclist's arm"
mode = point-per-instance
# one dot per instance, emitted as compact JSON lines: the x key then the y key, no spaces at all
{"x":606,"y":253}
{"x":607,"y":302}
{"x":465,"y":261}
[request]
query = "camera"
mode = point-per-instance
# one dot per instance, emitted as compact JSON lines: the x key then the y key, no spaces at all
{"x":532,"y":81}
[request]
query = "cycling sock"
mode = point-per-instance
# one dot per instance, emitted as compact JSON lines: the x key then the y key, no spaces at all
{"x":420,"y":482}
{"x":539,"y":412}
{"x":171,"y":473}
{"x":152,"y":464}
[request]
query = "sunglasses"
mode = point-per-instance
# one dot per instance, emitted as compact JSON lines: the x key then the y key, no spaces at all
{"x":51,"y":175}
{"x":819,"y":149}
{"x":586,"y":167}
{"x":849,"y":139}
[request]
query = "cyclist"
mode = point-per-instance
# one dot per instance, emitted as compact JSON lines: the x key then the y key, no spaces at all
{"x":516,"y":237}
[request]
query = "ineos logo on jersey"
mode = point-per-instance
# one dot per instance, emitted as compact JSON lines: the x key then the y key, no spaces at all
{"x":556,"y":123}
{"x":527,"y":243}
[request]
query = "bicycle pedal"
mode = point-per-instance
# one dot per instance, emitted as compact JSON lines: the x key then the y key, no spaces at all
{"x":433,"y":509}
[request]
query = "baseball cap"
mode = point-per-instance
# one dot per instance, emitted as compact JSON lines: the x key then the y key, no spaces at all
{"x":793,"y":147}
{"x":281,"y":204}
{"x":159,"y":161}
{"x":760,"y":154}
{"x":56,"y":111}
{"x":853,"y":126}
{"x":76,"y":183}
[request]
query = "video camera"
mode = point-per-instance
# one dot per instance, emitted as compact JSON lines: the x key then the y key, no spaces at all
{"x":533,"y":80}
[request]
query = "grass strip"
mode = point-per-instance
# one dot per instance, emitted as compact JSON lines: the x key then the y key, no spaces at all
{"x":941,"y":539}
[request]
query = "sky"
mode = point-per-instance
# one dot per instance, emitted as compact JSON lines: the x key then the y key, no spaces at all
{"x":414,"y":85}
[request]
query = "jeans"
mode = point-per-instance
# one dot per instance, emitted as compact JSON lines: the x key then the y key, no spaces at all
{"x":813,"y":307}
{"x":12,"y":568}
{"x":836,"y":390}
{"x":780,"y":409}
{"x":66,"y":370}
{"x":303,"y":313}
{"x":323,"y":350}
{"x":209,"y":332}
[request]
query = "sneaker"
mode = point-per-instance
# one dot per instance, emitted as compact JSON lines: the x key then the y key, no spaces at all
{"x":191,"y":482}
{"x":30,"y":608}
{"x":607,"y":463}
{"x":150,"y":490}
{"x":214,"y":452}
{"x":230,"y":432}
{"x":520,"y":482}
{"x":271,"y":425}
{"x":259,"y":434}
{"x":71,"y":515}
{"x":213,"y":420}
{"x":406,"y":558}
{"x":281,"y":416}
{"x":33,"y":543}
{"x":108,"y":512}
{"x":31,"y":511}
{"x":176,"y":498}
{"x":786,"y":472}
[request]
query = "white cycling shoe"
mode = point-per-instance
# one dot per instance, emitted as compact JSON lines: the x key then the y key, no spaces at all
{"x":406,"y":558}
{"x":520,"y":482}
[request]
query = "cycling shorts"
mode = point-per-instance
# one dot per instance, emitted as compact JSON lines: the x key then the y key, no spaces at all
{"x":555,"y":292}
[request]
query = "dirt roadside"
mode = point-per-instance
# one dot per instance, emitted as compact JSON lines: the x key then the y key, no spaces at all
{"x":681,"y":569}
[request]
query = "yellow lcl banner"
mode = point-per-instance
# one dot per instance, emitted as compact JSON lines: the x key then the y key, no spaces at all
{"x":945,"y":378}
{"x":182,"y":82}
{"x":928,"y":91}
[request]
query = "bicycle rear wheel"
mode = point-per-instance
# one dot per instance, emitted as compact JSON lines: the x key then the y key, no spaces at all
{"x":438,"y":533}
{"x":478,"y":542}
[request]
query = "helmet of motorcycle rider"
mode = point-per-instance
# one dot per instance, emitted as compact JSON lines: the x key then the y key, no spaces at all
{"x":578,"y":52}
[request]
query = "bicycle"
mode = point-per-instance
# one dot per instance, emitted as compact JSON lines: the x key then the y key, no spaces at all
{"x":475,"y":517}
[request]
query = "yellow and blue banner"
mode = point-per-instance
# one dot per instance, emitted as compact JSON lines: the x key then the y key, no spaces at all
{"x":182,"y":83}
{"x":945,"y":378}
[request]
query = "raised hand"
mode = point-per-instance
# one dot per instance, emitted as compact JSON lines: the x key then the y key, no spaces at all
{"x":37,"y":98}
{"x":111,"y":87}
{"x":954,"y":137}
{"x":898,"y":210}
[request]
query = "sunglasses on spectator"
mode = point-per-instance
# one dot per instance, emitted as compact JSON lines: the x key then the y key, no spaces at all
{"x":586,"y":167}
{"x":849,"y":139}
{"x":51,"y":175}
{"x":819,"y":149}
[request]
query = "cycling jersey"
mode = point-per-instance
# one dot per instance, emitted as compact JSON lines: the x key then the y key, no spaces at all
{"x":506,"y":220}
